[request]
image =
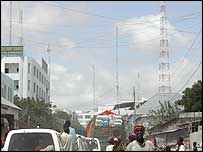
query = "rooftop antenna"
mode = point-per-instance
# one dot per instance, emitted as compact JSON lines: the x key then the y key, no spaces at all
{"x":21,"y":26}
{"x":164,"y":73}
{"x":138,"y":86}
{"x":49,"y":50}
{"x":134,"y":103}
{"x":94,"y":101}
{"x":10,"y":28}
{"x":117,"y":84}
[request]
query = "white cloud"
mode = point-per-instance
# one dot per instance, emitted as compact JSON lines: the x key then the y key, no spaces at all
{"x":145,"y":34}
{"x":40,"y":18}
{"x":71,"y":71}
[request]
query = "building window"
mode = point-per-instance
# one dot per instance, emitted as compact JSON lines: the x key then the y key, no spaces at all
{"x":44,"y":81}
{"x":28,"y":67}
{"x":37,"y":73}
{"x":4,"y":91}
{"x":87,"y":116}
{"x":11,"y":67}
{"x":8,"y":93}
{"x":42,"y":78}
{"x":28,"y":85}
{"x":34,"y":70}
{"x":11,"y":94}
{"x":34,"y":87}
{"x":6,"y":70}
{"x":39,"y":76}
{"x":37,"y":91}
{"x":16,"y":84}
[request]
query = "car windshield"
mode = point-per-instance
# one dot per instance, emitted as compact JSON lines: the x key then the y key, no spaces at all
{"x":31,"y":142}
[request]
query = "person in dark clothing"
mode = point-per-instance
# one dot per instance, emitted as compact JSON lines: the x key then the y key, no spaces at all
{"x":131,"y":138}
{"x":118,"y":145}
{"x":168,"y":148}
{"x":180,"y":145}
{"x":195,"y":146}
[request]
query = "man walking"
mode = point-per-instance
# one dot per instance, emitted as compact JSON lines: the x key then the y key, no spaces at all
{"x":72,"y":133}
{"x":140,"y":144}
{"x":66,"y":139}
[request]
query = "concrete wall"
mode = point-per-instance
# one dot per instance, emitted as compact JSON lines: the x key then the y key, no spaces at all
{"x":195,"y":137}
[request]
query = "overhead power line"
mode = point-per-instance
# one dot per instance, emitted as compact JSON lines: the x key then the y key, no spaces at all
{"x":184,"y":83}
{"x":187,"y":80}
{"x":81,"y":12}
{"x":190,"y":48}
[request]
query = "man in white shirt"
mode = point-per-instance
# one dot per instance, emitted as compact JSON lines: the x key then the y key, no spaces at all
{"x":73,"y":135}
{"x":180,"y":145}
{"x":140,"y":144}
{"x":110,"y":144}
{"x":66,"y":139}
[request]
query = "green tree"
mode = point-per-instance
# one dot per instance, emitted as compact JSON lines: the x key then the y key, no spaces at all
{"x":192,"y":98}
{"x":34,"y":113}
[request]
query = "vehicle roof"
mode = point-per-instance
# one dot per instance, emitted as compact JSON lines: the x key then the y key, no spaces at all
{"x":35,"y":130}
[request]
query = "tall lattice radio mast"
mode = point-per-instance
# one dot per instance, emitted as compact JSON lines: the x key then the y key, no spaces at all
{"x":164,"y":73}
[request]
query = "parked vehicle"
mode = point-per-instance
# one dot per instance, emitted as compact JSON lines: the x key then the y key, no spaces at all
{"x":105,"y":130}
{"x":88,"y":144}
{"x":33,"y":140}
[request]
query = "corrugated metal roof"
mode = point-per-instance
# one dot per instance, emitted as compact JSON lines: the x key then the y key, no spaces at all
{"x":153,"y":102}
{"x":9,"y":104}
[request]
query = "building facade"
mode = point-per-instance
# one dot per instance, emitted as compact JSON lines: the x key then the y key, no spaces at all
{"x":85,"y":118}
{"x":9,"y":110}
{"x":30,"y":79}
{"x":7,"y":87}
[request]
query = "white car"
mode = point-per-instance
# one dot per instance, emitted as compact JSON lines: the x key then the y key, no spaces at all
{"x":88,"y":144}
{"x":33,"y":140}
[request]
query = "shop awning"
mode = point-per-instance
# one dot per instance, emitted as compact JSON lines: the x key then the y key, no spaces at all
{"x":9,"y":104}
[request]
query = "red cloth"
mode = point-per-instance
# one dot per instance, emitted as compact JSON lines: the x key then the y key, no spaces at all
{"x":90,"y":129}
{"x":107,"y":112}
{"x":139,"y":127}
{"x":132,"y":137}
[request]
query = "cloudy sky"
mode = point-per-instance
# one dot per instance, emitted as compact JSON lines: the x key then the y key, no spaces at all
{"x":83,"y":34}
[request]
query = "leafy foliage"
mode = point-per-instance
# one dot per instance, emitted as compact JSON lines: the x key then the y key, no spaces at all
{"x":34,"y":113}
{"x":38,"y":113}
{"x":192,"y":98}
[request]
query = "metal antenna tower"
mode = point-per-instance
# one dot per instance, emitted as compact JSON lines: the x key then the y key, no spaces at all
{"x":117,"y":86}
{"x":10,"y":29}
{"x":164,"y":73}
{"x":49,"y":50}
{"x":138,"y":86}
{"x":21,"y":25}
{"x":94,"y":101}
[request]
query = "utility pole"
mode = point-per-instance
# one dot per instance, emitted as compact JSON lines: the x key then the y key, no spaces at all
{"x":117,"y":86}
{"x":134,"y":103}
{"x":138,"y":86}
{"x":10,"y":29}
{"x":49,"y":97}
{"x":94,"y":101}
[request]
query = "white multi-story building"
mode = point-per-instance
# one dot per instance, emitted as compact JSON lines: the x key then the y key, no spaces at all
{"x":8,"y":108}
{"x":30,"y":79}
{"x":7,"y":87}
